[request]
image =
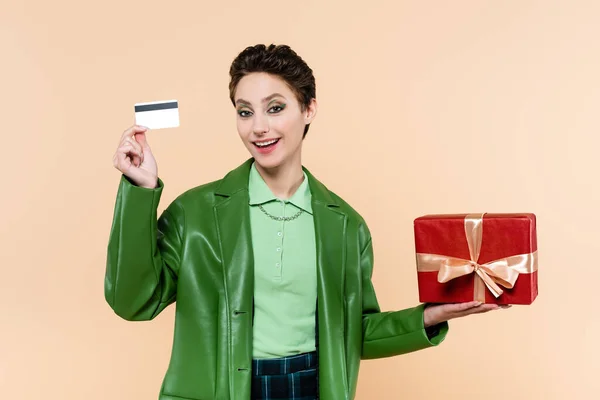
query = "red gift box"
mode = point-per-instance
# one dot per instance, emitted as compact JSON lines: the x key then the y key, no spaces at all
{"x":490,"y":258}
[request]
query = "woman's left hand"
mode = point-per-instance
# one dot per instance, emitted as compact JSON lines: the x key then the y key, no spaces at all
{"x":438,"y":313}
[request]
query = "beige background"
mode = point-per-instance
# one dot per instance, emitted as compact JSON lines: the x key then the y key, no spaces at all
{"x":425,"y":107}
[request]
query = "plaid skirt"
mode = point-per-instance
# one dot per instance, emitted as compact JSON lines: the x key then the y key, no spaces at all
{"x":287,"y":378}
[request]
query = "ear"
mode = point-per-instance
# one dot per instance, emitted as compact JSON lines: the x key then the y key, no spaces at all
{"x":310,"y":112}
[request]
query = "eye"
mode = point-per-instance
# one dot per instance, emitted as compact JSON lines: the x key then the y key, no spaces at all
{"x":276,"y":109}
{"x":244,"y":113}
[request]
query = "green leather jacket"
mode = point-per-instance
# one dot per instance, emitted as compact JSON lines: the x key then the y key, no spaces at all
{"x":199,"y":255}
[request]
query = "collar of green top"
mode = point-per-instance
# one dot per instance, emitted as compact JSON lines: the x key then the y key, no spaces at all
{"x":260,"y":193}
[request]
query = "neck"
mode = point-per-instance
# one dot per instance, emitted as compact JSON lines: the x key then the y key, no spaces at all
{"x":284,"y":179}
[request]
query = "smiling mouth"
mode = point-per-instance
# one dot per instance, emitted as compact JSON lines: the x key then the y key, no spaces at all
{"x":265,"y":144}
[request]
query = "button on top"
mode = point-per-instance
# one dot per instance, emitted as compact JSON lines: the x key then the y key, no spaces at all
{"x":279,"y":249}
{"x":278,"y":233}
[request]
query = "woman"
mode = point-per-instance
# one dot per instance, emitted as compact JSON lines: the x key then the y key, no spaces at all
{"x":270,"y":271}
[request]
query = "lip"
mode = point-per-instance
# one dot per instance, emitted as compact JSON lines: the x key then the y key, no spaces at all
{"x":266,"y":150}
{"x":265,"y":140}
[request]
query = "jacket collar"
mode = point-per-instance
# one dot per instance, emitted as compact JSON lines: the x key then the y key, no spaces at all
{"x":237,"y":180}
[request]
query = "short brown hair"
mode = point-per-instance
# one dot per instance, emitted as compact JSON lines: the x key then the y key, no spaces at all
{"x":278,"y":60}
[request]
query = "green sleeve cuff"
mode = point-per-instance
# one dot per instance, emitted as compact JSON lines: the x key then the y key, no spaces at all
{"x":128,"y":182}
{"x":436,"y":333}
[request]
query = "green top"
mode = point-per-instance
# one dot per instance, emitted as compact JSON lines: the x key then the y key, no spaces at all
{"x":285,"y":274}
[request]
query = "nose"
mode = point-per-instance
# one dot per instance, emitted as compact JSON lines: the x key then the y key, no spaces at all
{"x":260,"y":125}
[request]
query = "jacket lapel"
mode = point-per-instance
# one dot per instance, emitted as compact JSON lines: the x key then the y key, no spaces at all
{"x":233,"y":224}
{"x":330,"y":235}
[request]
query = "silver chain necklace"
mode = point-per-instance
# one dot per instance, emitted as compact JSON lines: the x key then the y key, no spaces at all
{"x":280,"y":218}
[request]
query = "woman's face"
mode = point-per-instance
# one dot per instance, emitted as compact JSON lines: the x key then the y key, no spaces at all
{"x":270,"y":120}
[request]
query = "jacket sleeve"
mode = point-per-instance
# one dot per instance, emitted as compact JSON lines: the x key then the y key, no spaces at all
{"x":391,"y":333}
{"x":143,"y":254}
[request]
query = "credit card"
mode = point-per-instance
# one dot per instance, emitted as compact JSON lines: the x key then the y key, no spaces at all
{"x":157,"y":114}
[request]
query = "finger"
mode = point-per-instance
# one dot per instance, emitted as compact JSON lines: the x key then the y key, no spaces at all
{"x":140,"y":138}
{"x":461,"y":307}
{"x":130,"y":151}
{"x":482,"y":309}
{"x":135,"y":145}
{"x":475,"y":310}
{"x":123,"y":163}
{"x":133,"y":130}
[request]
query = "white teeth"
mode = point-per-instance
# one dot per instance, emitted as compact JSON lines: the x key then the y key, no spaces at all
{"x":263,"y":144}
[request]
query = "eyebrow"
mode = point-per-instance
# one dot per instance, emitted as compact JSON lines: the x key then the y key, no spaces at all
{"x":266,"y":99}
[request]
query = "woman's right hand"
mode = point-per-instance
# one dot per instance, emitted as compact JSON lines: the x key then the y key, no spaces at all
{"x":134,"y":158}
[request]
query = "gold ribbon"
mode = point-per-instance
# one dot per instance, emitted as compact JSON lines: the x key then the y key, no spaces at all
{"x":502,"y":272}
